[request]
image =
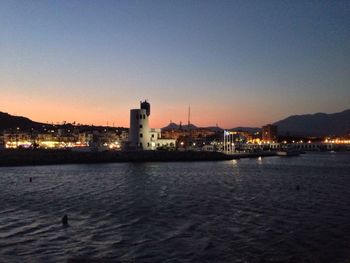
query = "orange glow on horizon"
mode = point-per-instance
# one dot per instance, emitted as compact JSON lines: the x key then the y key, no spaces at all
{"x":57,"y":110}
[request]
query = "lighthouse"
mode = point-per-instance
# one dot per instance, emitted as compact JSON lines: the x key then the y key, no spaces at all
{"x":139,"y":136}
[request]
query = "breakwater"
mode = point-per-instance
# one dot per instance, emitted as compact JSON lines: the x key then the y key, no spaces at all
{"x":21,"y":157}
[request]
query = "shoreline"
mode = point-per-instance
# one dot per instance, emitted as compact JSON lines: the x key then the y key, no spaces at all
{"x":25,"y":157}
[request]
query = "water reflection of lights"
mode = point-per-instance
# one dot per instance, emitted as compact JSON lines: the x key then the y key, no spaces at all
{"x":235,"y":167}
{"x":260,"y":160}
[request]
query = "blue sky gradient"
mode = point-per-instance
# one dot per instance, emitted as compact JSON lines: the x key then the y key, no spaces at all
{"x":238,"y":63}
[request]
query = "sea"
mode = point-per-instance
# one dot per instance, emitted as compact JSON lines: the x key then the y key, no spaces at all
{"x":271,"y":209}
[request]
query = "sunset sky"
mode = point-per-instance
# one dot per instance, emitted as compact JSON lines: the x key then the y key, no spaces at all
{"x":237,"y":63}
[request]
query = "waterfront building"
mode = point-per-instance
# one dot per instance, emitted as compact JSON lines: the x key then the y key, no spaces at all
{"x":85,"y":137}
{"x":48,"y":140}
{"x":2,"y":141}
{"x":17,"y":139}
{"x":269,"y":133}
{"x":140,"y":135}
{"x":194,"y":133}
{"x":208,"y":148}
{"x":123,"y":136}
{"x":252,"y":147}
{"x":314,"y":146}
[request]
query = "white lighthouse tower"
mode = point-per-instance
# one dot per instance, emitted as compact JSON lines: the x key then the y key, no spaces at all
{"x":139,"y":136}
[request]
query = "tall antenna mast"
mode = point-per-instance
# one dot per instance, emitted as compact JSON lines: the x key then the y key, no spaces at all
{"x":189,"y":123}
{"x":189,"y":116}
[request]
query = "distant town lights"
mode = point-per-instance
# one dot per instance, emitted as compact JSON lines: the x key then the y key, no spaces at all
{"x":16,"y":144}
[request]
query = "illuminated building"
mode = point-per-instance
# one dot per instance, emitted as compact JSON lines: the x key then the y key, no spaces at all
{"x":269,"y":133}
{"x":84,"y":138}
{"x":2,"y":142}
{"x":140,"y":135}
{"x":195,"y":133}
{"x":17,"y":139}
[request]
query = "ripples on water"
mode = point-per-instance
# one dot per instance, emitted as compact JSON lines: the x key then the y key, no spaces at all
{"x":234,"y":211}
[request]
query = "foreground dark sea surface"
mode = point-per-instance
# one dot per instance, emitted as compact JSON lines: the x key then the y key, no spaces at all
{"x":272,"y":209}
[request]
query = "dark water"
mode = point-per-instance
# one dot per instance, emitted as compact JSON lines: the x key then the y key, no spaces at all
{"x":233,"y":211}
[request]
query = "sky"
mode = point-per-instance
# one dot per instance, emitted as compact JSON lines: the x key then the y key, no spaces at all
{"x":237,"y":63}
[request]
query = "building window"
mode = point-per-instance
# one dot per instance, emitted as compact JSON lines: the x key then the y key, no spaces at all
{"x":144,"y":116}
{"x":152,"y":135}
{"x":141,"y":135}
{"x":148,"y":144}
{"x":140,"y":116}
{"x":141,"y":126}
